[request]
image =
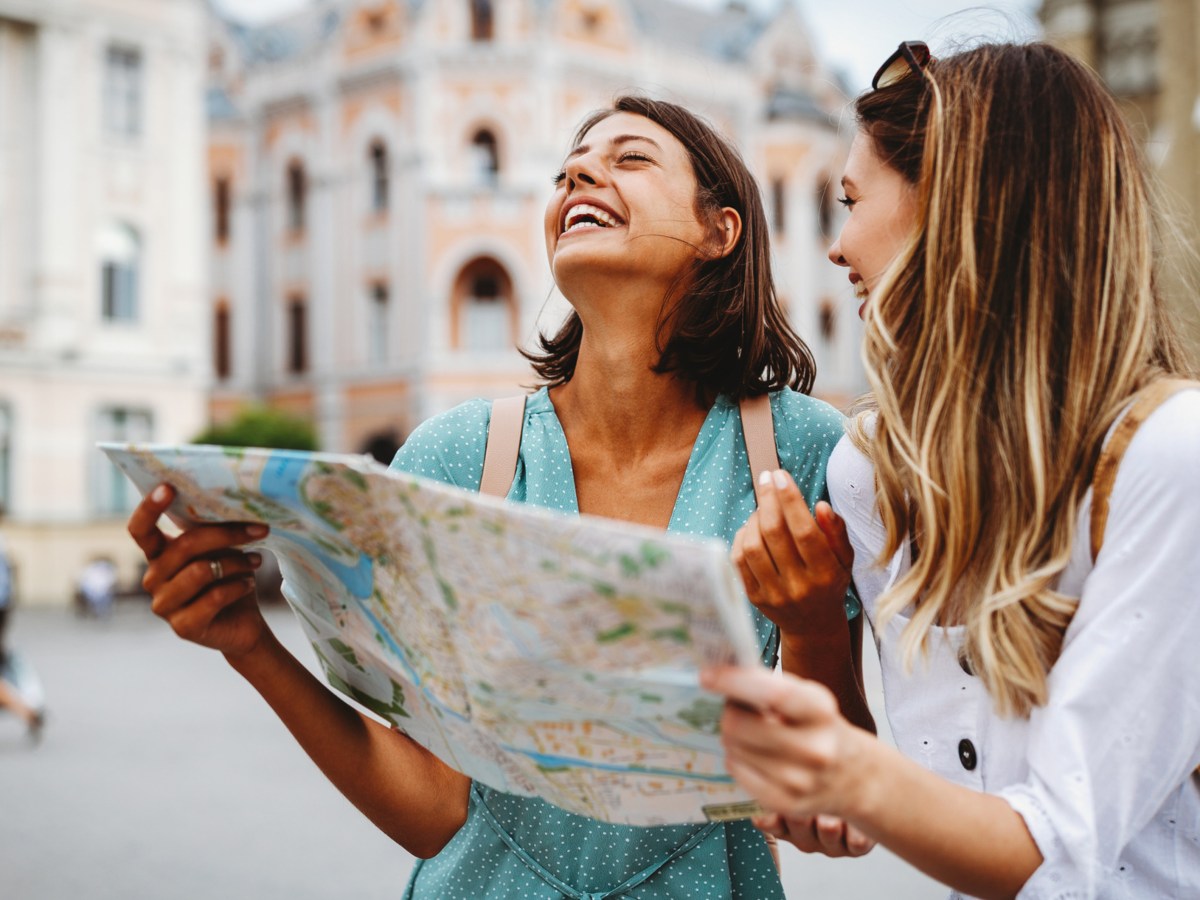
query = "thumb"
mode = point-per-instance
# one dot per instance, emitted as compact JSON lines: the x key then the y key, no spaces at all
{"x":833,"y":527}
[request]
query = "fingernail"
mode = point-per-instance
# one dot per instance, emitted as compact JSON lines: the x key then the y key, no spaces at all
{"x":257,"y":531}
{"x":255,"y":559}
{"x":764,"y":478}
{"x":160,"y":494}
{"x":781,"y":478}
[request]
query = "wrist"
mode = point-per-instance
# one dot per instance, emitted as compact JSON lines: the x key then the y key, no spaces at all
{"x":866,"y":789}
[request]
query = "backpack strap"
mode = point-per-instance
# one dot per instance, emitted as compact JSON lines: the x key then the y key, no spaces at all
{"x":1145,"y":402}
{"x":758,"y":429}
{"x":503,"y":446}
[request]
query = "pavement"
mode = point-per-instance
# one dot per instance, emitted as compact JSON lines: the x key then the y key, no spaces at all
{"x":160,"y":775}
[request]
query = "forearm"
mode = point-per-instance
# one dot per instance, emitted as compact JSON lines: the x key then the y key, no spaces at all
{"x":406,"y":791}
{"x":973,"y":842}
{"x":834,"y":658}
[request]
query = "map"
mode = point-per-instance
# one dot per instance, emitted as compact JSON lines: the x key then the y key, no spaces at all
{"x":536,"y":652}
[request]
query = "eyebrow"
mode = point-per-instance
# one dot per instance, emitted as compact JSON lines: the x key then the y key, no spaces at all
{"x":616,"y":142}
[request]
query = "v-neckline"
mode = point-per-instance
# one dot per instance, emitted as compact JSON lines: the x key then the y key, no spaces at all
{"x":702,"y":440}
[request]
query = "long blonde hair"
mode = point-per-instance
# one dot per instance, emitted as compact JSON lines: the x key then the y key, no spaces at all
{"x":1003,"y":342}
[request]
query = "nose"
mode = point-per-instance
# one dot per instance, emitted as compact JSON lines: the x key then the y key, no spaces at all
{"x":582,"y":169}
{"x":835,"y":253}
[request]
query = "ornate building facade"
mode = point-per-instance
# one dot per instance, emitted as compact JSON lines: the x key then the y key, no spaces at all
{"x":378,"y":172}
{"x":102,"y":267}
{"x":1148,"y":52}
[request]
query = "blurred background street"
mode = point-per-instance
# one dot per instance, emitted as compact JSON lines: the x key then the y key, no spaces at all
{"x":161,"y":776}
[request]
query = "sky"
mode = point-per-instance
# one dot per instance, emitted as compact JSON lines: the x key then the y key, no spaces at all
{"x":852,"y":36}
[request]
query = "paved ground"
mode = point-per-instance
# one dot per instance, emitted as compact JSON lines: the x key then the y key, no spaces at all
{"x":161,"y":776}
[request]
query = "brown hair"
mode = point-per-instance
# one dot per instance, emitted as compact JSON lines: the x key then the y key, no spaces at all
{"x":1003,"y":342}
{"x":724,"y":330}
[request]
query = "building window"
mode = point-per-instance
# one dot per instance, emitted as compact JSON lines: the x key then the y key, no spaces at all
{"x":378,"y":318}
{"x":120,"y":259}
{"x":484,"y":307}
{"x":825,"y":208}
{"x":297,"y":187}
{"x":123,"y":91}
{"x":113,"y":493}
{"x":6,"y":428}
{"x":778,"y":205}
{"x":827,"y":321}
{"x":297,"y":336}
{"x":222,"y":362}
{"x":485,"y":157}
{"x":221,"y":210}
{"x":379,"y":177}
{"x":482,"y":27}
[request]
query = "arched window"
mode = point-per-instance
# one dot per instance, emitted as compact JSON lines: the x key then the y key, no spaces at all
{"x":827,"y":321}
{"x":222,"y":359}
{"x":378,"y":156}
{"x":120,"y":260}
{"x":485,"y":157}
{"x":221,"y":199}
{"x":297,"y":188}
{"x":378,"y":320}
{"x":113,"y":493}
{"x":482,"y":27}
{"x":484,"y":308}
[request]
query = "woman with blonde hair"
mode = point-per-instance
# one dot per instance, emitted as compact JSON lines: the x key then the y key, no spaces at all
{"x":1021,"y":499}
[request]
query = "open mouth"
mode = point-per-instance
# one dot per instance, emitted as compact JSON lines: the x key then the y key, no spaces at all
{"x":585,"y":215}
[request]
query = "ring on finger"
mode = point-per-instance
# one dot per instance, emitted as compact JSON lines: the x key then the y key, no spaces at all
{"x":218,"y":572}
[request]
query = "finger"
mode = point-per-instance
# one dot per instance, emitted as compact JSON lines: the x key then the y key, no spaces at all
{"x":193,"y":621}
{"x":794,"y":699}
{"x":801,"y":832}
{"x":831,"y":834}
{"x":834,"y":528}
{"x":143,"y":522}
{"x":857,"y":842}
{"x":773,"y":524}
{"x":197,"y":541}
{"x":198,"y":576}
{"x":773,"y":793}
{"x":810,"y":541}
{"x":738,"y":554}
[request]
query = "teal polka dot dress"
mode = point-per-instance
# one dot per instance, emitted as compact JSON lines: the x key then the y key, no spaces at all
{"x":521,"y":847}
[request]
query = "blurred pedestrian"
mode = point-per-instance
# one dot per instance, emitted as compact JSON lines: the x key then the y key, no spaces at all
{"x":97,"y":587}
{"x":12,"y":697}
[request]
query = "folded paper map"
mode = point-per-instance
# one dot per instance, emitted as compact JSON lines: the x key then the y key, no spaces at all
{"x":539,"y":653}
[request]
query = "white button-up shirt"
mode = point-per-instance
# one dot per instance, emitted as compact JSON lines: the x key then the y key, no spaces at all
{"x":1102,"y":774}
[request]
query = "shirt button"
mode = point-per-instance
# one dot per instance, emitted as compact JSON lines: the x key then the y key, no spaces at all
{"x":967,"y":755}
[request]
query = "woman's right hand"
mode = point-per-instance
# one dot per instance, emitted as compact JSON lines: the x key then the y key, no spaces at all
{"x":200,"y":582}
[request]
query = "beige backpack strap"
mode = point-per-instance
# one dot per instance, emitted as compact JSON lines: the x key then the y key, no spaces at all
{"x":503,"y":446}
{"x":1145,"y":402}
{"x":758,"y":428}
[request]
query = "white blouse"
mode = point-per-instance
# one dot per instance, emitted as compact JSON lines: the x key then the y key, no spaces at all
{"x":1102,"y":774}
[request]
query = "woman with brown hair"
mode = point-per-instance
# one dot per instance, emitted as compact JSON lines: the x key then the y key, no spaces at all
{"x":656,"y":235}
{"x":1020,"y":497}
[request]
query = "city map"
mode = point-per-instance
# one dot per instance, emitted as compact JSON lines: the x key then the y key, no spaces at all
{"x":538,"y":653}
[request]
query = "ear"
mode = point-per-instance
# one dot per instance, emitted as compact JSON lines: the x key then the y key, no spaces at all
{"x":728,"y":231}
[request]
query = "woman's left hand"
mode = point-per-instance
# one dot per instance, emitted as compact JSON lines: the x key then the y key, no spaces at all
{"x":786,"y":743}
{"x":795,"y":565}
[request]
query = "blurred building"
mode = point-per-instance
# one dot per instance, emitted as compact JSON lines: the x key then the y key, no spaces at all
{"x":1148,"y":52}
{"x":103,"y":312}
{"x":378,"y":172}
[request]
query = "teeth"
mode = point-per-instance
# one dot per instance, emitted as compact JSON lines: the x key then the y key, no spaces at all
{"x":576,"y":214}
{"x":860,"y":290}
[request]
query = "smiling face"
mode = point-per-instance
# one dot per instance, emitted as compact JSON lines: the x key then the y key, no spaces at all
{"x":883,"y":211}
{"x":624,"y":207}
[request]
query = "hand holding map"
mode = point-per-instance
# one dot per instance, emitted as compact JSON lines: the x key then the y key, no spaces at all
{"x":539,"y":653}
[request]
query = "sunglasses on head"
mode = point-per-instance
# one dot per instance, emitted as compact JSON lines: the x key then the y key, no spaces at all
{"x":910,"y":57}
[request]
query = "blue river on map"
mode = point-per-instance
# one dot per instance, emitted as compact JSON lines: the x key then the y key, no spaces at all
{"x":280,"y":481}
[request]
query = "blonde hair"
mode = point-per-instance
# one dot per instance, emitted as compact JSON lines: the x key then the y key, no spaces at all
{"x":1003,"y":342}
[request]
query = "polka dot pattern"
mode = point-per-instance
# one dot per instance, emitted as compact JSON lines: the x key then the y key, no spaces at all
{"x":522,"y":847}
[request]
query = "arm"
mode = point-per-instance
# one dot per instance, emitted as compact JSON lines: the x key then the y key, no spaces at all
{"x":791,"y":749}
{"x":202,"y":584}
{"x":796,"y":570}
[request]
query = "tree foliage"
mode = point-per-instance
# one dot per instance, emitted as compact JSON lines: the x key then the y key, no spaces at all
{"x":262,"y":426}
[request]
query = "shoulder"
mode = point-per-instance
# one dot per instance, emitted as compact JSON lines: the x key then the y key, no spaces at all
{"x":449,"y":447}
{"x":1161,"y":459}
{"x":805,"y":425}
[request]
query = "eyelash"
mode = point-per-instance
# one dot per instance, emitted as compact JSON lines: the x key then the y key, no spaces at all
{"x":846,"y":202}
{"x":627,"y":156}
